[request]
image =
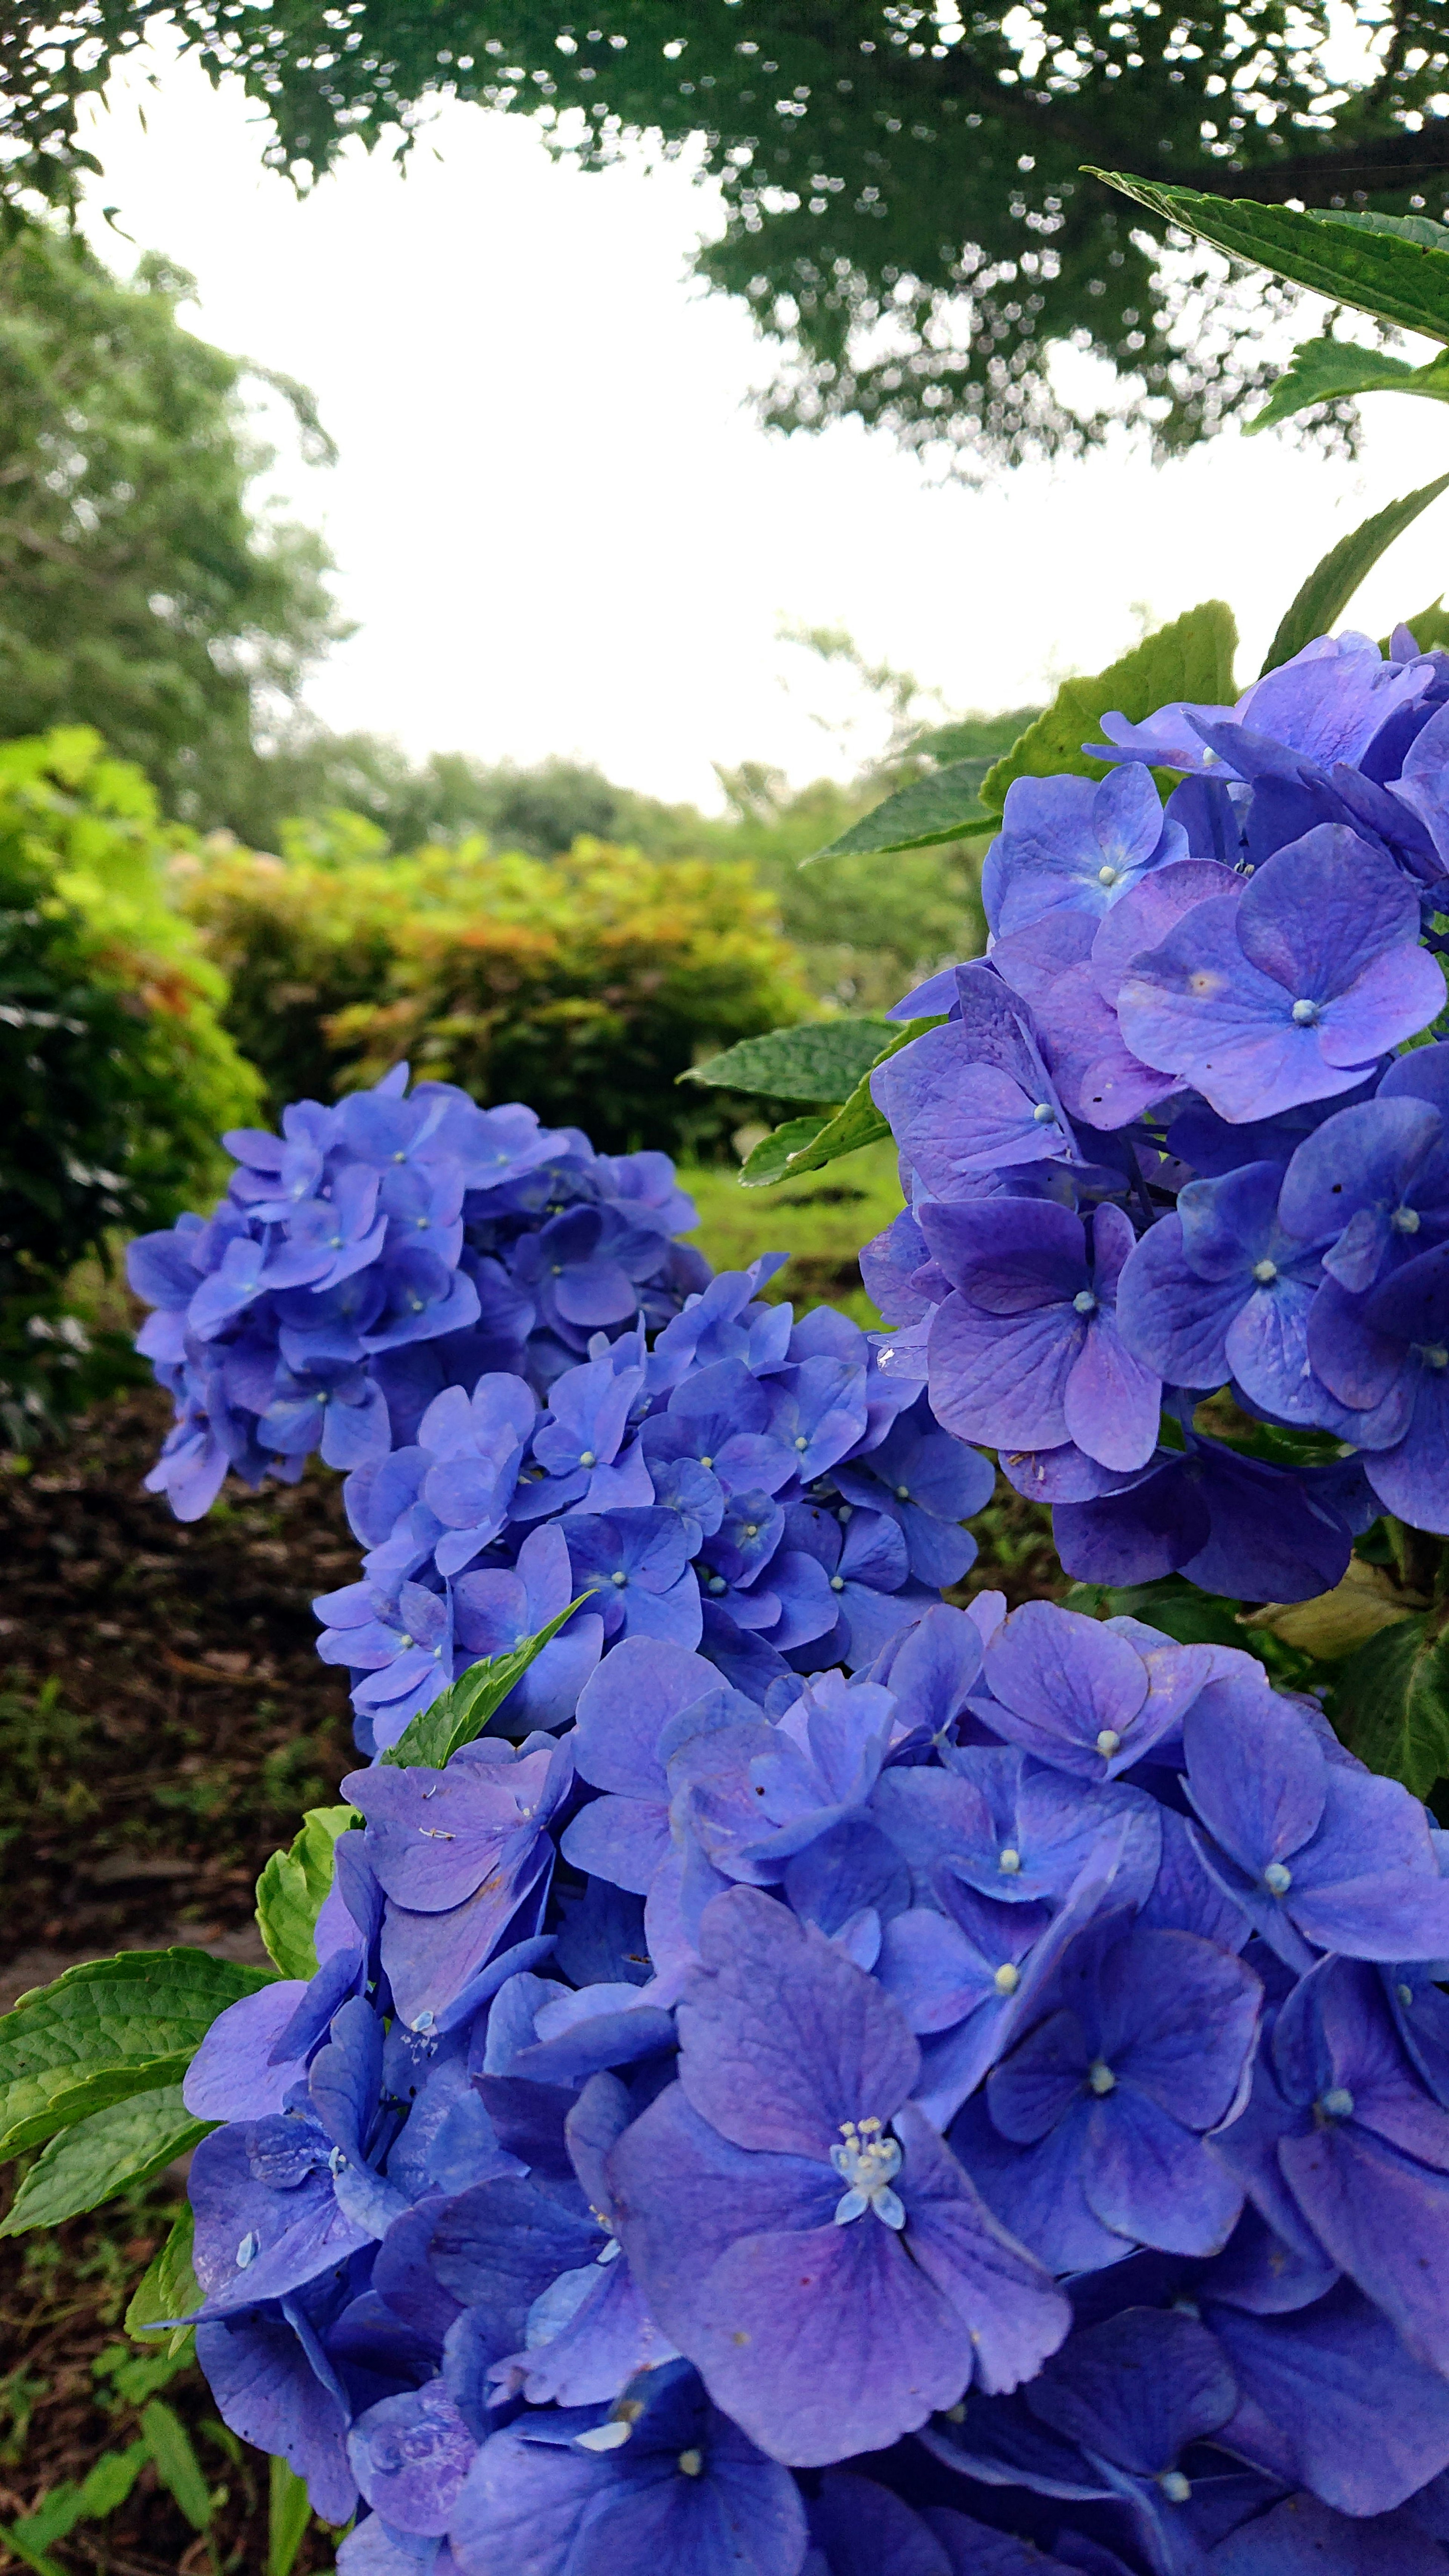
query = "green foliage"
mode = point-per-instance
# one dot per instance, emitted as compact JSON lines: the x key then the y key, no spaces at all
{"x":138,"y":591}
{"x":1397,"y":270}
{"x":824,"y":1060}
{"x":1332,"y":583}
{"x":905,"y":214}
{"x":289,"y":2510}
{"x":168,"y":2287}
{"x":1390,"y":1703}
{"x":90,"y":2500}
{"x":583,"y":985}
{"x":106,"y":2031}
{"x":461,"y":1712}
{"x":1191,"y":658}
{"x":114,"y":1067}
{"x":945,"y":805}
{"x":127,"y":2142}
{"x":293,"y":1888}
{"x":177,"y":2465}
{"x":857,"y":1123}
{"x":1327,"y":370}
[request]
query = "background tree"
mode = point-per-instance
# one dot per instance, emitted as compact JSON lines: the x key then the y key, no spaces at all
{"x":140,"y":590}
{"x":907,"y":214}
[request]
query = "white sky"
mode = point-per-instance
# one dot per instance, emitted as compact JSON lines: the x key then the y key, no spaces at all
{"x":560,"y":528}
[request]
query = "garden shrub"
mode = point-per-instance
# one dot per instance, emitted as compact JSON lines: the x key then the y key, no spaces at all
{"x":114,"y":1067}
{"x":585,"y":984}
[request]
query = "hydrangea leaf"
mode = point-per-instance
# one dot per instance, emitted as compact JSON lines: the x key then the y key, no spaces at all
{"x":293,"y":1888}
{"x":168,"y":2287}
{"x":824,"y":1060}
{"x":1191,"y":659}
{"x":807,"y":1145}
{"x":1332,"y":583}
{"x":127,"y":2142}
{"x":462,"y":1711}
{"x":1396,"y":268}
{"x":107,"y":2030}
{"x":941,"y":807}
{"x":1390,"y":1704}
{"x":770,"y":1159}
{"x":1330,"y":370}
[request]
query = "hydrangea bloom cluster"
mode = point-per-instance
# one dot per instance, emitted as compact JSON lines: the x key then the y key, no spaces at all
{"x":1181,"y":1131}
{"x":988,"y":2114}
{"x":751,"y":1486}
{"x":380,"y":1251}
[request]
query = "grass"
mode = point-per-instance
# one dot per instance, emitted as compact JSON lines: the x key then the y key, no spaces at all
{"x":821,"y":1221}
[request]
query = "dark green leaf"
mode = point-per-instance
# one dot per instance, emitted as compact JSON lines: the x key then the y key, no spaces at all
{"x":817,"y":1142}
{"x":770,"y":1159}
{"x":462,"y":1711}
{"x":1390,"y":1704}
{"x":293,"y":1888}
{"x":168,"y":2287}
{"x":1380,"y":268}
{"x":942,"y":807}
{"x":1332,"y":583}
{"x":1192,"y":658}
{"x":1328,"y":370}
{"x":107,"y":2030}
{"x":822,"y":1060}
{"x":128,"y":2142}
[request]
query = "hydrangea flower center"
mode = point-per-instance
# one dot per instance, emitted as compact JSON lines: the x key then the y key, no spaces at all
{"x":1265,"y":1272}
{"x":1107,"y":876}
{"x":867,"y":2162}
{"x":1305,"y":1013}
{"x":1084,"y":1302}
{"x":1277,"y":1878}
{"x":1043,"y":1114}
{"x":1336,"y":2103}
{"x":1175,"y":2486}
{"x":1108,"y":1742}
{"x":1009,"y":1861}
{"x":1405,"y":1220}
{"x":1007,"y":1978}
{"x":1101,"y":2078}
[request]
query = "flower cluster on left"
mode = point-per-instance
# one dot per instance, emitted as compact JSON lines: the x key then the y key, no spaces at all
{"x":379,"y":1251}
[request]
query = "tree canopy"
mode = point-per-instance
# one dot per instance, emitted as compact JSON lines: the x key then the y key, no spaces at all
{"x":140,"y":591}
{"x":907,"y":213}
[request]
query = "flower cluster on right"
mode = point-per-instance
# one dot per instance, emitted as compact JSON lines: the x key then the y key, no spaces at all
{"x":984,"y":2116}
{"x":1184,"y":1129}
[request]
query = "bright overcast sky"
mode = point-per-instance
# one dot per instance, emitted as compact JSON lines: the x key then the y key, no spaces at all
{"x":558,"y":526}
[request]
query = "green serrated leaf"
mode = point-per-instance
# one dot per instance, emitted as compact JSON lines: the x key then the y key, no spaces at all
{"x":1331,"y":584}
{"x":168,"y":2287}
{"x":823,"y":1060}
{"x":1330,"y":370}
{"x":462,"y":1711}
{"x":770,"y":1159}
{"x":177,"y":2465}
{"x":289,"y":2510}
{"x":858,"y":1123}
{"x":293,"y":1889}
{"x":1379,"y":268}
{"x":1192,"y":658}
{"x":107,"y":2030}
{"x":1390,"y":1704}
{"x":946,"y":806}
{"x":128,"y":2142}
